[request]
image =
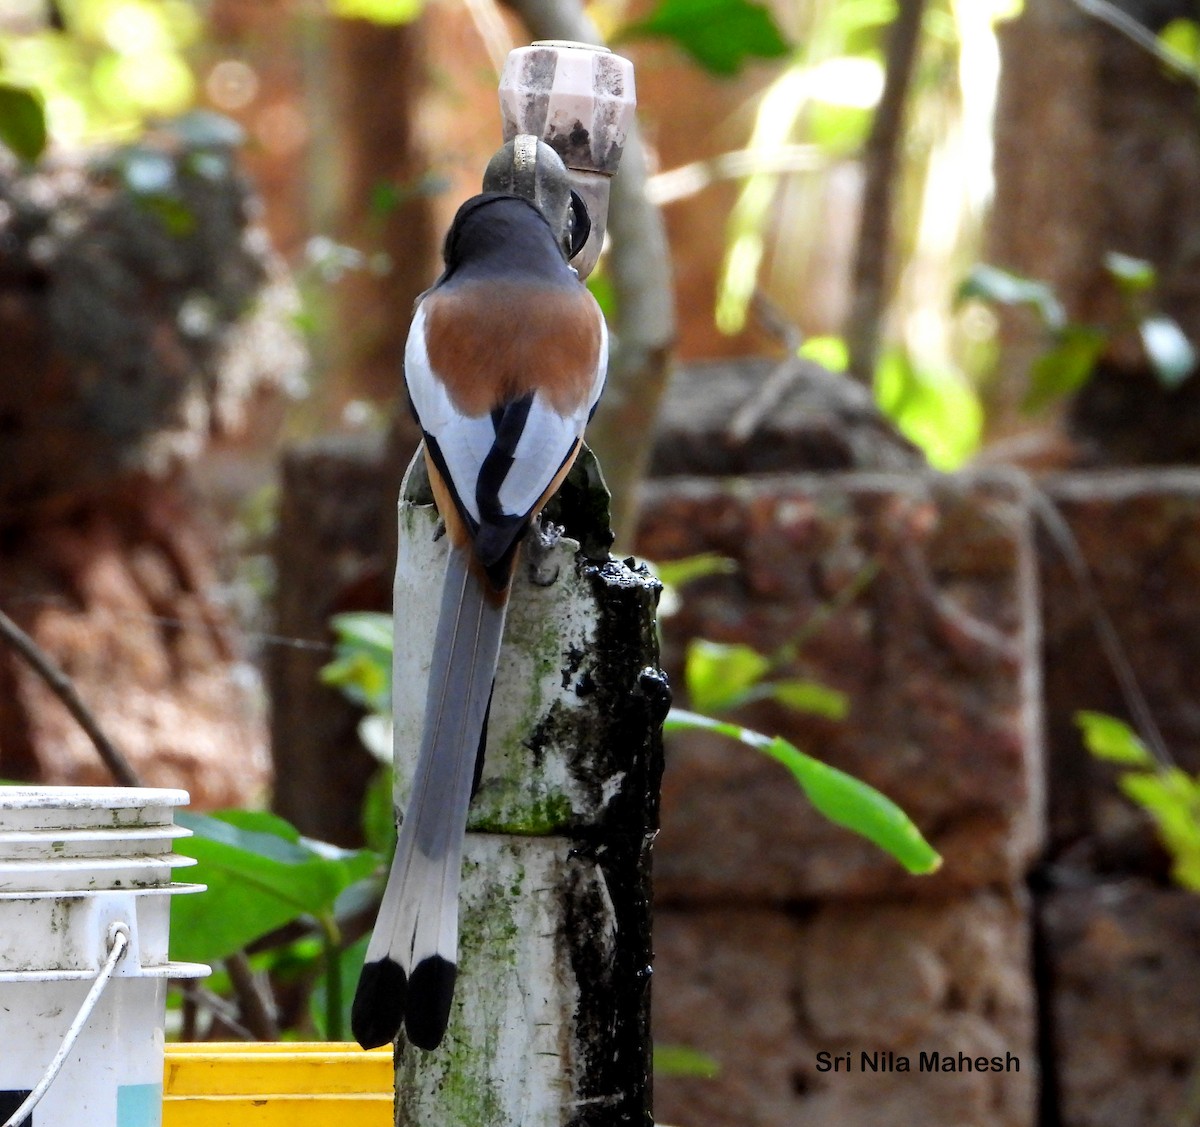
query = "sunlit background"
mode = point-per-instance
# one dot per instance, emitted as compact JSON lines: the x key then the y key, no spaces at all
{"x":792,"y":143}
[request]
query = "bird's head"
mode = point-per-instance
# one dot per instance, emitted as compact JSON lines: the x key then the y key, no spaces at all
{"x":531,"y":169}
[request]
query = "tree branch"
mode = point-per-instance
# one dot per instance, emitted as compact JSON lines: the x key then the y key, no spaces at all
{"x":872,"y":260}
{"x":60,"y":685}
{"x":622,"y":433}
{"x":1138,"y":33}
{"x":1055,"y":525}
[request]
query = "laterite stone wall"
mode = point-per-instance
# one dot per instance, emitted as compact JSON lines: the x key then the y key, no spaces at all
{"x":781,"y":937}
{"x":1053,"y":935}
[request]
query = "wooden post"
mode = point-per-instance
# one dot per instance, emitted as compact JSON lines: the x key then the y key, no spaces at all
{"x":551,"y":1018}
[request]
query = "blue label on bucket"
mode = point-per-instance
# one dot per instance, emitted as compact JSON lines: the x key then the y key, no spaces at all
{"x":139,"y":1105}
{"x":10,"y":1101}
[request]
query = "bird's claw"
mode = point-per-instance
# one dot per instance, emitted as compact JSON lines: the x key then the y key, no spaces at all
{"x":542,"y":539}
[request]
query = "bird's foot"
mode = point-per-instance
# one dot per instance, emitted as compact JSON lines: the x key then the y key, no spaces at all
{"x":540,"y":542}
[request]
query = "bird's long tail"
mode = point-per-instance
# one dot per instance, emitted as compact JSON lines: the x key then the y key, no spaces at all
{"x":408,"y":976}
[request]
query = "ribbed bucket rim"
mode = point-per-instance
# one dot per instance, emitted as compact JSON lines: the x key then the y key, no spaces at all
{"x":175,"y":888}
{"x":105,"y":861}
{"x":23,"y":796}
{"x":165,"y":831}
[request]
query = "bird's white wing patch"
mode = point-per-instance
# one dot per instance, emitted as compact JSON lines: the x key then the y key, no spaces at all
{"x":464,"y":441}
{"x":547,"y":440}
{"x":545,"y":443}
{"x":601,"y":366}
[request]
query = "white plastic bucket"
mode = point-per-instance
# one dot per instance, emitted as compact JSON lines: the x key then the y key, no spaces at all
{"x":75,"y":864}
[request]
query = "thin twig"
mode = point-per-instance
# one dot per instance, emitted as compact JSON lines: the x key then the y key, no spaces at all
{"x":825,"y":613}
{"x":492,"y":32}
{"x":772,"y":391}
{"x":872,"y":257}
{"x":1064,"y":540}
{"x":60,"y":684}
{"x":190,"y":1012}
{"x":689,"y":179}
{"x":255,"y":1006}
{"x":257,"y":637}
{"x":1119,"y":20}
{"x":196,"y":996}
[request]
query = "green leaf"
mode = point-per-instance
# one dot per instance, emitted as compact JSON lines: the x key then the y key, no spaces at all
{"x":1170,"y":795}
{"x":718,"y":675}
{"x":259,"y":822}
{"x":260,"y":875}
{"x":370,"y":631}
{"x":1182,"y":36}
{"x":362,"y":679}
{"x":935,"y":408}
{"x":1112,"y":740}
{"x":843,"y":799}
{"x":1169,"y":351}
{"x":839,"y":130}
{"x":720,"y":35}
{"x":1133,"y":276}
{"x":848,"y":802}
{"x":677,"y":573}
{"x":990,"y":283}
{"x":1065,"y":367}
{"x":679,"y":1060}
{"x":22,"y":121}
{"x":379,"y":814}
{"x":362,"y":667}
{"x":857,"y":23}
{"x":378,"y":11}
{"x":600,"y":286}
{"x":1172,"y":798}
{"x":811,"y":697}
{"x":828,"y":351}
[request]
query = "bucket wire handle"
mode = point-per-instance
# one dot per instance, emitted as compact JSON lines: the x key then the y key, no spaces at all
{"x":118,"y":944}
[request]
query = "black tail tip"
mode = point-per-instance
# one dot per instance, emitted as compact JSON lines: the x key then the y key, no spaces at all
{"x":378,"y":1006}
{"x":430,"y":992}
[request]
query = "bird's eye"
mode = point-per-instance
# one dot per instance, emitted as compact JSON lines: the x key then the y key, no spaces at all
{"x":579,"y":224}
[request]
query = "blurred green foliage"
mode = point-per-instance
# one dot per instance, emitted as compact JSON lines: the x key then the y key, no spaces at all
{"x":261,"y":874}
{"x":22,"y":121}
{"x":1168,"y":794}
{"x":1072,"y":349}
{"x":719,"y":35}
{"x":263,"y":878}
{"x":722,"y":676}
{"x":113,"y":65}
{"x":679,"y":1060}
{"x":106,"y":68}
{"x":378,"y":11}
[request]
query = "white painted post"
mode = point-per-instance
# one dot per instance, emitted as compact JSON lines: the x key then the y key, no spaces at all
{"x":550,"y":1025}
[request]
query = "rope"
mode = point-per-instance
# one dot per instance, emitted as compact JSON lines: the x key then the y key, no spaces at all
{"x":118,"y":944}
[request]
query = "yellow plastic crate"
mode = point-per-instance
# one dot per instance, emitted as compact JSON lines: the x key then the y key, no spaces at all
{"x":313,"y":1084}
